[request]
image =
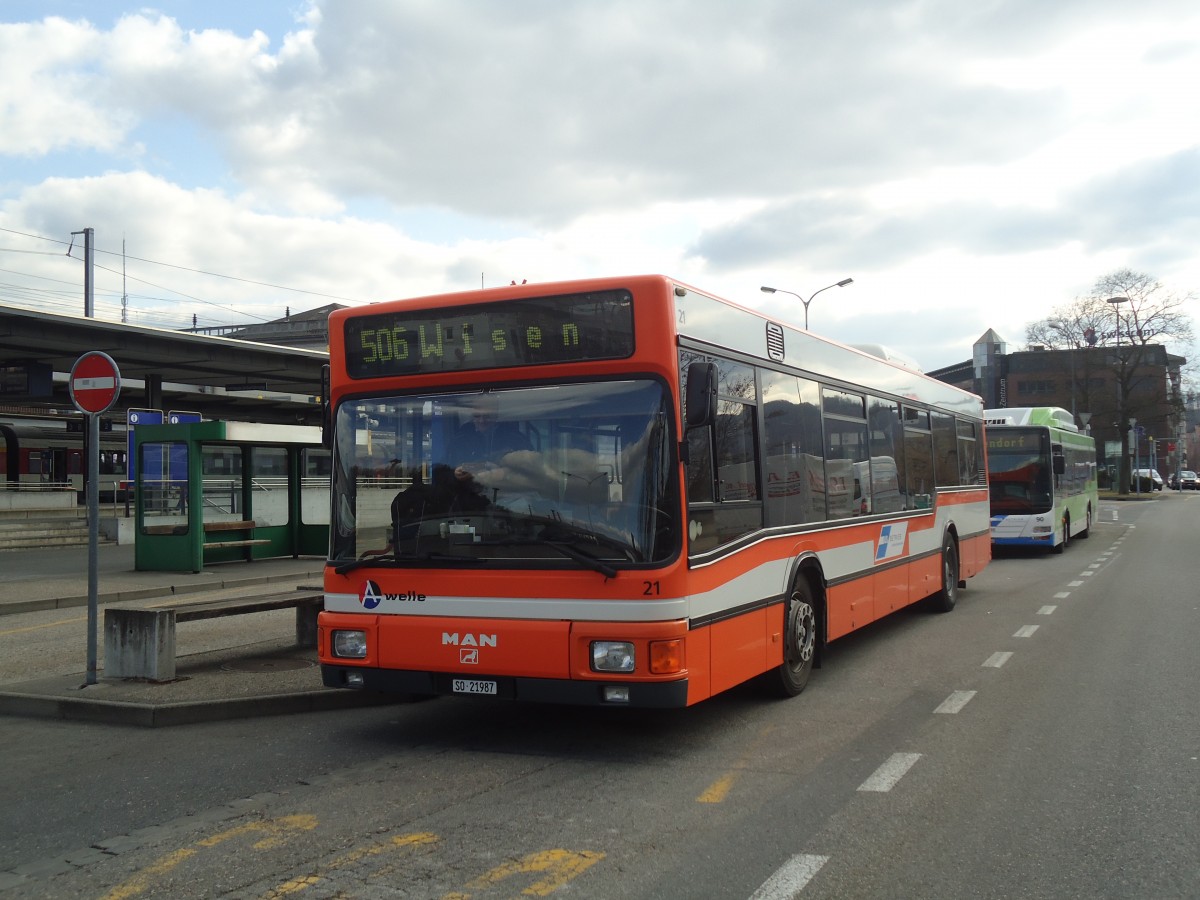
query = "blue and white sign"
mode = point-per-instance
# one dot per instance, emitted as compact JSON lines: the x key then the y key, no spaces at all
{"x":891,"y":541}
{"x":134,"y":418}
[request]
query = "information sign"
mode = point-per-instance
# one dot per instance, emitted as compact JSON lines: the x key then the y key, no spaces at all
{"x":134,"y":418}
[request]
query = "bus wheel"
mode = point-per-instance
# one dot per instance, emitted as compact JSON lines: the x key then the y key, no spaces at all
{"x":943,"y":601}
{"x":1066,"y":535}
{"x":1087,"y":525}
{"x":800,"y":640}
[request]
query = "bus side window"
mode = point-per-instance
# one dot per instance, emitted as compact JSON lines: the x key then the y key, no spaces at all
{"x":794,"y":455}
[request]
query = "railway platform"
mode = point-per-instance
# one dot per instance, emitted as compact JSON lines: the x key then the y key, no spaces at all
{"x":236,"y":667}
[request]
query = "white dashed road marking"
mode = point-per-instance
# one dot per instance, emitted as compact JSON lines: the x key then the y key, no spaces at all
{"x":887,"y":775}
{"x":955,"y":702}
{"x":790,"y":878}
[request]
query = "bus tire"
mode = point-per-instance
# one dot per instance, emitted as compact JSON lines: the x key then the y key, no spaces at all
{"x":945,"y":599}
{"x":1087,"y":525}
{"x":799,"y":641}
{"x":1066,"y":534}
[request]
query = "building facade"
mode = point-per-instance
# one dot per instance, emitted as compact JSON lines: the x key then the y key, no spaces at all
{"x":1100,"y":386}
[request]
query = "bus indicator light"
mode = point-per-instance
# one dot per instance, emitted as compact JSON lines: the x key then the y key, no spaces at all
{"x":666,"y":657}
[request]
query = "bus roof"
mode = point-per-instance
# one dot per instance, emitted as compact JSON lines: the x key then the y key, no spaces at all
{"x":1050,"y":416}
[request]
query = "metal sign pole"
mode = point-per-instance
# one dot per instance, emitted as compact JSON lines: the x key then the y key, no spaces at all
{"x":95,"y":384}
{"x":93,"y":514}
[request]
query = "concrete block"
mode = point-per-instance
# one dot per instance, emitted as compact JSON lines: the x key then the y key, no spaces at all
{"x":139,"y":643}
{"x":306,"y":624}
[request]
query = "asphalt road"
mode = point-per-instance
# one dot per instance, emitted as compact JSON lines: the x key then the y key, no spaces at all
{"x":1042,"y":740}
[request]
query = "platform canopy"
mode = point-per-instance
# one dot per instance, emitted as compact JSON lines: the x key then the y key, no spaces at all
{"x":216,"y":376}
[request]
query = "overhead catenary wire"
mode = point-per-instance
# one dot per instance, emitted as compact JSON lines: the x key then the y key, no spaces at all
{"x":189,"y":297}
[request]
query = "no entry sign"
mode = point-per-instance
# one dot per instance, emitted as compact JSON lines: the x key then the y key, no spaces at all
{"x":95,"y":383}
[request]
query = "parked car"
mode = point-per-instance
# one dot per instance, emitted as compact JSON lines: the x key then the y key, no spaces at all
{"x":1185,"y":480}
{"x":1150,"y":479}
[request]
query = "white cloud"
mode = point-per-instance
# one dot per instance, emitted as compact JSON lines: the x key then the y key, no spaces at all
{"x":968,"y":168}
{"x":48,"y":87}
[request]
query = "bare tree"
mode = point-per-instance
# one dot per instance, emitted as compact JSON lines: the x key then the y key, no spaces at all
{"x":1128,"y":310}
{"x":1152,"y":315}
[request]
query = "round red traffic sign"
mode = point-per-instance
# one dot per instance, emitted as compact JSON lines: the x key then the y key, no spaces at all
{"x":95,"y":382}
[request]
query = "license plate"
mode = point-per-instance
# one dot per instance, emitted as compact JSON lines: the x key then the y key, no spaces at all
{"x":469,"y":686}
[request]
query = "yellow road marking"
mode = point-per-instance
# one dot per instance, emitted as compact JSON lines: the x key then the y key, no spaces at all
{"x":306,"y":881}
{"x":719,"y":789}
{"x":561,"y":865}
{"x":40,"y":627}
{"x":275,"y":829}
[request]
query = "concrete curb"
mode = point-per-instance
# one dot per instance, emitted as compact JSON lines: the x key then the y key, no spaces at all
{"x":147,"y":715}
{"x":14,"y":607}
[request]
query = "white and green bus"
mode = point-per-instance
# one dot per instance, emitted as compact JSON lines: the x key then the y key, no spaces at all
{"x":1042,"y":477}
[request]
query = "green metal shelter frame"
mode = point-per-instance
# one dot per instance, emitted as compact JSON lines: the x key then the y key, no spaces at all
{"x":215,"y":492}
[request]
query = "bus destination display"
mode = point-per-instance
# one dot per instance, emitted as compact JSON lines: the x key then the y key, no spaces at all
{"x":526,"y":332}
{"x":1015,"y":440}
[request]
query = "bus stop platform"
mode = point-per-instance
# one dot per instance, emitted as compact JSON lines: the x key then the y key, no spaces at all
{"x":233,"y":667}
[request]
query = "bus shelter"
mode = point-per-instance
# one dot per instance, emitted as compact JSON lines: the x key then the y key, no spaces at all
{"x":213,"y":492}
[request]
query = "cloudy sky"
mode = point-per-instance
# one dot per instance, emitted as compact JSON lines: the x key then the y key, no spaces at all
{"x":970,"y":165}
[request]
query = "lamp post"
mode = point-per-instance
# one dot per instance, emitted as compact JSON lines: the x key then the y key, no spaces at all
{"x":771,"y":290}
{"x":1122,"y":471}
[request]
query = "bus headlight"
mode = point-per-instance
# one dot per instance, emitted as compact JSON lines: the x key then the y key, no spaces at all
{"x":350,"y":644}
{"x":612,"y":656}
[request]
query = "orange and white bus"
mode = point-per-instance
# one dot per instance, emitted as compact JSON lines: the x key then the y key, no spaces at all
{"x":625,"y":491}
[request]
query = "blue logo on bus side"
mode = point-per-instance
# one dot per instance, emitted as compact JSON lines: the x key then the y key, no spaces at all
{"x":891,"y":541}
{"x":372,"y":596}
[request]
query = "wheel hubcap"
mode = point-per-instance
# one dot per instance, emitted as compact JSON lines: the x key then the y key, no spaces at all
{"x":802,"y":633}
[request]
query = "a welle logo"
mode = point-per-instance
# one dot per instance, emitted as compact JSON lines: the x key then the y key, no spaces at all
{"x":373,"y":595}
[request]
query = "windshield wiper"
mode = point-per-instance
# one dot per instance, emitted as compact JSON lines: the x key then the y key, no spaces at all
{"x":360,"y":563}
{"x":592,"y":562}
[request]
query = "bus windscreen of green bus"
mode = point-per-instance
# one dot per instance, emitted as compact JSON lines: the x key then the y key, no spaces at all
{"x":1020,"y":472}
{"x":529,"y":331}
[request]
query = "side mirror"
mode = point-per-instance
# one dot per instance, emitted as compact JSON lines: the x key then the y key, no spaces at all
{"x":1060,"y":465}
{"x":701,"y":400}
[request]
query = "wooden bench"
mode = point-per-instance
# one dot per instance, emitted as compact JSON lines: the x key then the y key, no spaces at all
{"x":242,"y":525}
{"x":216,"y":545}
{"x":213,"y":528}
{"x":139,"y":640}
{"x":164,"y":529}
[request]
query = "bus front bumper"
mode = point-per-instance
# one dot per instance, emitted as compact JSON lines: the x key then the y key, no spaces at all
{"x":656,"y":695}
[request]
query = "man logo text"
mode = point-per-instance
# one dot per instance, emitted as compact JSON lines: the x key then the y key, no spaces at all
{"x":454,"y":639}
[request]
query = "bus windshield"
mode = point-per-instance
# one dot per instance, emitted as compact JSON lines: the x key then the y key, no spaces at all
{"x":1019,"y":471}
{"x":562,"y":475}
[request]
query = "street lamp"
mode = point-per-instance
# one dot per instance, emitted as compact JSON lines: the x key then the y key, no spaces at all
{"x":771,"y":290}
{"x":1122,"y":478}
